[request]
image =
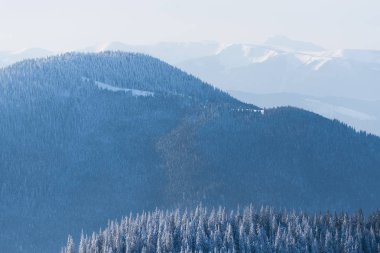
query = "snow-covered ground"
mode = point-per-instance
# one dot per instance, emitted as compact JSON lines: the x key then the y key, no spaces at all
{"x":134,"y":92}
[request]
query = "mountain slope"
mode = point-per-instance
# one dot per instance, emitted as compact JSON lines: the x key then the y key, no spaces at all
{"x":361,"y":114}
{"x":83,"y":134}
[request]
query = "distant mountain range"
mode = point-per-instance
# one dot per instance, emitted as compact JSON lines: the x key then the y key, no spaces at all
{"x":90,"y":137}
{"x":10,"y":57}
{"x":258,"y":69}
{"x":277,"y":66}
{"x":343,"y":84}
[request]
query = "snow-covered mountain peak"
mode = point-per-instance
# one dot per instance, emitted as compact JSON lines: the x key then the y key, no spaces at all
{"x":35,"y":52}
{"x":244,"y":54}
{"x":221,"y":47}
{"x":10,"y":57}
{"x":112,"y":46}
{"x":235,"y":55}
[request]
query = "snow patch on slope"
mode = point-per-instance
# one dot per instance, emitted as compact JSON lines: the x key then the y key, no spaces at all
{"x":315,"y":60}
{"x":265,"y":57}
{"x":136,"y":93}
{"x":221,"y":47}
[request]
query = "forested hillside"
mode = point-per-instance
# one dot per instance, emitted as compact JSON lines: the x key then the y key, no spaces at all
{"x":89,"y":137}
{"x":246,"y":230}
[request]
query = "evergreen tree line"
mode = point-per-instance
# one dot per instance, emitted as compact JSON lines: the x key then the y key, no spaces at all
{"x":247,"y":230}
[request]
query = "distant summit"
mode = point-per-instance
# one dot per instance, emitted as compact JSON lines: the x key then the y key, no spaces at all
{"x":284,"y":43}
{"x":171,"y":52}
{"x":10,"y":57}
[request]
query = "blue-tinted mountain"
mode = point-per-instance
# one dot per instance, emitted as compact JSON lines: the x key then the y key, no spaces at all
{"x":89,"y":137}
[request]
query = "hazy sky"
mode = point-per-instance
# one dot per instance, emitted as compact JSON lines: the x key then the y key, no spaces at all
{"x":73,"y":24}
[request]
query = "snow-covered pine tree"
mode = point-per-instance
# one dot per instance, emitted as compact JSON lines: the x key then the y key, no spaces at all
{"x":248,"y":231}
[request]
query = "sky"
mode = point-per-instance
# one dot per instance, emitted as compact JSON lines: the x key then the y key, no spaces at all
{"x":75,"y":24}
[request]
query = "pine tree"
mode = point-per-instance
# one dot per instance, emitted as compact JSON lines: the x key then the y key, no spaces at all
{"x":82,"y":244}
{"x":70,"y":245}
